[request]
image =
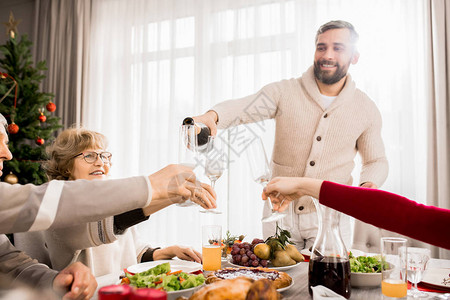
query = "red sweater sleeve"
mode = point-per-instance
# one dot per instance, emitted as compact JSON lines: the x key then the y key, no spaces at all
{"x":389,"y":211}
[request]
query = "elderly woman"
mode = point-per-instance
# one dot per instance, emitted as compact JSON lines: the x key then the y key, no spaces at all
{"x":82,"y":154}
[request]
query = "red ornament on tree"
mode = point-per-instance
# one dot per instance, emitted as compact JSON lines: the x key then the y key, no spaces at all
{"x":42,"y":118}
{"x":51,"y":107}
{"x":40,"y":141}
{"x":13,"y":128}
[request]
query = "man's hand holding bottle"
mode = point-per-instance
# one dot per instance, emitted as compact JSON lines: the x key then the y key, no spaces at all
{"x":209,"y":119}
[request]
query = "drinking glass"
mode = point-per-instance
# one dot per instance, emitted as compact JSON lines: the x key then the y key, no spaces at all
{"x":187,"y":152}
{"x":214,"y":164}
{"x":417,"y":263}
{"x":211,"y":247}
{"x":259,"y":166}
{"x":393,"y":267}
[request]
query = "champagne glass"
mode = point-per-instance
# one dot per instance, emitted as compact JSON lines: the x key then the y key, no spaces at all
{"x":214,"y":164}
{"x":259,"y":166}
{"x":187,"y":153}
{"x":211,"y":247}
{"x":417,"y":263}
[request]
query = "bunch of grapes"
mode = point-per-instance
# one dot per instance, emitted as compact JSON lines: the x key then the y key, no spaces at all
{"x":242,"y":254}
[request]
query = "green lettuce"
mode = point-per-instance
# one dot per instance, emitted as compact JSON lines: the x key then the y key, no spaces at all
{"x":157,"y":277}
{"x":192,"y":281}
{"x":365,"y":264}
{"x":158,"y":270}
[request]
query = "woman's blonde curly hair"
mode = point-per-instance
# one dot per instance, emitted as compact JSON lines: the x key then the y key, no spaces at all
{"x":66,"y":146}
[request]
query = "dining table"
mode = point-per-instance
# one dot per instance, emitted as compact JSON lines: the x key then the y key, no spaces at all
{"x":299,"y":290}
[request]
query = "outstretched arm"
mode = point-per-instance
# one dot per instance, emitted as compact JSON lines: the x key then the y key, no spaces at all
{"x":379,"y":208}
{"x":67,"y":203}
{"x":260,"y":106}
{"x":60,"y":204}
{"x":390,"y":211}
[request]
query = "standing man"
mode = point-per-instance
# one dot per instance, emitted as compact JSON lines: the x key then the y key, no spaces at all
{"x":322,"y":121}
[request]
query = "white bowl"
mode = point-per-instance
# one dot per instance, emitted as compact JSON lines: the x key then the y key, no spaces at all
{"x":183,"y":293}
{"x":365,"y":279}
{"x":175,"y":265}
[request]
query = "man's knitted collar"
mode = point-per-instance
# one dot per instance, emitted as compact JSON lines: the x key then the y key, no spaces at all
{"x":310,"y":87}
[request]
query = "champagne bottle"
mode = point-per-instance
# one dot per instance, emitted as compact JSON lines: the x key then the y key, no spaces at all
{"x":201,"y":130}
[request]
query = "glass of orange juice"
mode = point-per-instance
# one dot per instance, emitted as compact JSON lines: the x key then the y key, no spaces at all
{"x":394,"y":282}
{"x":211,"y":247}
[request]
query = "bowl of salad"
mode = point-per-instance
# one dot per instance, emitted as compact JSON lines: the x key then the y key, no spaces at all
{"x":168,"y":276}
{"x":365,"y":270}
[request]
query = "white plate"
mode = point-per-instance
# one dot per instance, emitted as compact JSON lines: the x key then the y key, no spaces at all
{"x":268,"y":266}
{"x":436,"y":278}
{"x":287,"y":287}
{"x":175,"y":265}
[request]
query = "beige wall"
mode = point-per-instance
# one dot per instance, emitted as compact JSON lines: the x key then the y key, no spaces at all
{"x":23,"y":10}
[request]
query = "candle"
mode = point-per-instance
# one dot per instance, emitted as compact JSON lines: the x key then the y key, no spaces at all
{"x":115,"y":292}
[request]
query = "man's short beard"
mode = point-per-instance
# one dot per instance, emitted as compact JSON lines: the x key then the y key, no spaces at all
{"x":324,"y":78}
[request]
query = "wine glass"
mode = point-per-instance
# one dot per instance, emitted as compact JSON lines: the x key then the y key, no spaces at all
{"x":417,"y":263}
{"x":187,"y":153}
{"x":259,"y":166}
{"x":214,"y":164}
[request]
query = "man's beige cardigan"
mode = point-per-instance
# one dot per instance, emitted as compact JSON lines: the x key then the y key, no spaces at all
{"x":310,"y":140}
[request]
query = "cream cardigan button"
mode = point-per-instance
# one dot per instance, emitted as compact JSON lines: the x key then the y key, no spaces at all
{"x":312,"y":163}
{"x":319,"y":138}
{"x":326,"y":115}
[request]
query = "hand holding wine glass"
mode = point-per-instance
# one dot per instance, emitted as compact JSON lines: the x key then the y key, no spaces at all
{"x":261,"y":173}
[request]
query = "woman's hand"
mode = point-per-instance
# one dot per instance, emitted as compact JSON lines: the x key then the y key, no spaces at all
{"x":182,"y":252}
{"x":283,"y":190}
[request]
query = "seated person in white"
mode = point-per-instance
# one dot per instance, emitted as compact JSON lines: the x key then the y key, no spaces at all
{"x":113,"y":243}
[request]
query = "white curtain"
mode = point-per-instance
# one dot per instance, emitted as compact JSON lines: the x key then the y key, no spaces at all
{"x":155,"y":62}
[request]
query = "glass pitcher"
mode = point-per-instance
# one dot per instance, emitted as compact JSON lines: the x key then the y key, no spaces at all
{"x":329,"y":264}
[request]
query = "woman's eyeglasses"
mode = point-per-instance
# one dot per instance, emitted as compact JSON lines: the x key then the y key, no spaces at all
{"x":91,"y":157}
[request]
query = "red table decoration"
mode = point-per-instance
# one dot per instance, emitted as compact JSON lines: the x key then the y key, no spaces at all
{"x":115,"y":292}
{"x":148,"y":294}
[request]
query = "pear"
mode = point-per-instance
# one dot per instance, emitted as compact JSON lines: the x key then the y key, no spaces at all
{"x":294,"y":254}
{"x":262,"y":251}
{"x":282,"y":259}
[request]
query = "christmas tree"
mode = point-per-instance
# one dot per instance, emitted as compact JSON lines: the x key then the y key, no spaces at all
{"x":27,"y":109}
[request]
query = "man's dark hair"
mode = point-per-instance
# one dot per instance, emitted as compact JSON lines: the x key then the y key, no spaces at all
{"x":339,"y":24}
